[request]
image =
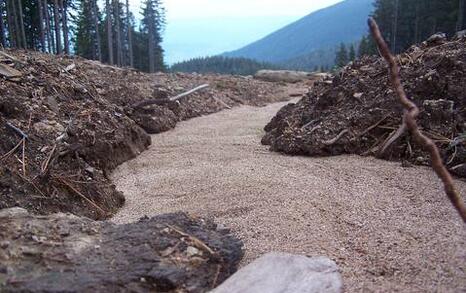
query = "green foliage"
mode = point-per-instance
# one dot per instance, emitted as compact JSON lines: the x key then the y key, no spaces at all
{"x":405,"y":22}
{"x":342,"y":57}
{"x":85,"y":30}
{"x":221,"y":64}
{"x":352,"y":53}
{"x":146,"y":40}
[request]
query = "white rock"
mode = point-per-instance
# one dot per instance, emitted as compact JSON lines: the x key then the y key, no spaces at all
{"x":285,"y":273}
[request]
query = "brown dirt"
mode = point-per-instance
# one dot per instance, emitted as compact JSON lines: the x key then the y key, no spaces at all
{"x":77,"y":117}
{"x":360,"y":101}
{"x":389,"y":228}
{"x":64,"y":253}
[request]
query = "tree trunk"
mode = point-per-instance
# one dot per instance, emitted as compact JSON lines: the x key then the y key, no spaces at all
{"x":416,"y":24}
{"x":16,"y":25}
{"x":395,"y":26}
{"x":56,"y":17}
{"x":109,"y":32}
{"x":130,"y":35}
{"x":41,"y":25}
{"x":11,"y":24}
{"x":2,"y":26}
{"x":151,"y":46}
{"x":50,"y":42}
{"x":96,"y":39}
{"x":116,"y":11}
{"x":64,"y":12}
{"x":461,"y":8}
{"x":21,"y":24}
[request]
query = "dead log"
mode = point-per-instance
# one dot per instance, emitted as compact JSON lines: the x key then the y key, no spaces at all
{"x":288,"y":76}
{"x":165,"y":101}
{"x":9,"y":72}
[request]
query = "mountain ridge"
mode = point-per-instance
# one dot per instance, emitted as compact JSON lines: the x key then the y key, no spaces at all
{"x":325,"y":28}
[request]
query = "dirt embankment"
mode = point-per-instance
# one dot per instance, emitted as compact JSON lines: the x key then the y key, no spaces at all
{"x":80,"y":125}
{"x":357,"y":111}
{"x":65,"y":253}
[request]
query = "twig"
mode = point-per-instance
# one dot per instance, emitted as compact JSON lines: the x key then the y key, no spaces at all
{"x":11,"y":151}
{"x":409,"y":119}
{"x":164,"y":101}
{"x":17,"y":130}
{"x":194,"y":239}
{"x":374,"y":125}
{"x":392,"y":138}
{"x":453,"y":156}
{"x":83,"y":196}
{"x":32,"y":183}
{"x":45,"y":164}
{"x":222,"y":102}
{"x":217,"y":274}
{"x":23,"y":156}
{"x":337,"y":138}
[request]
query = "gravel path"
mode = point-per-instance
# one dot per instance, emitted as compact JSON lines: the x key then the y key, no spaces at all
{"x":389,"y":228}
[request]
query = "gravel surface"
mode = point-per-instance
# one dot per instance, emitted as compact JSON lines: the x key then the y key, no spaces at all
{"x":389,"y":228}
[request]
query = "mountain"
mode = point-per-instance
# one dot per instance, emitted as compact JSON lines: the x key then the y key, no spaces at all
{"x":320,"y":31}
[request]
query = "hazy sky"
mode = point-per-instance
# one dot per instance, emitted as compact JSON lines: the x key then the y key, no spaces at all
{"x":195,"y":9}
{"x":208,"y":27}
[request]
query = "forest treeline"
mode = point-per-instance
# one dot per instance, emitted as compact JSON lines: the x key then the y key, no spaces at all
{"x":222,"y":64}
{"x":407,"y":22}
{"x":80,"y":27}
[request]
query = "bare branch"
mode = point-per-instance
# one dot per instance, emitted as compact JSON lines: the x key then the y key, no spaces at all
{"x":337,"y":138}
{"x":409,"y":119}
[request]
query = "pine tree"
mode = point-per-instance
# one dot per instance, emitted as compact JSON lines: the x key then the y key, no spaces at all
{"x":352,"y":53}
{"x":41,"y":25}
{"x":2,"y":26}
{"x":109,"y":32}
{"x":129,"y":27}
{"x":117,"y":18}
{"x":152,"y":26}
{"x":64,"y":14}
{"x":461,"y":12}
{"x":95,"y":31}
{"x":56,"y":22}
{"x":341,"y":58}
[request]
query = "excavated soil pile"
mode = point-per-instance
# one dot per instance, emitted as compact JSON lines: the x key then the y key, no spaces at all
{"x":356,"y":112}
{"x":65,"y":123}
{"x":64,"y":253}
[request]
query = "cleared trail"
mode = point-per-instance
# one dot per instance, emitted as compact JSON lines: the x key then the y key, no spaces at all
{"x":388,"y":228}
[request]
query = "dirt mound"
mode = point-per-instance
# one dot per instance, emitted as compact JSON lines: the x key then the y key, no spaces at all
{"x":58,"y":253}
{"x":356,"y":112}
{"x":78,"y":125}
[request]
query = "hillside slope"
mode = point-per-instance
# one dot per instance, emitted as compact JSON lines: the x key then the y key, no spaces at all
{"x":328,"y":27}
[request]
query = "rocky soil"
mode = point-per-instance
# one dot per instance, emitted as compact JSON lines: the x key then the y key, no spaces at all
{"x":66,"y":122}
{"x":356,"y":111}
{"x":65,"y":253}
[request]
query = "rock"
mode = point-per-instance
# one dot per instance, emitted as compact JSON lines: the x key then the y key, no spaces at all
{"x":52,"y":103}
{"x":192,"y":251}
{"x":439,"y":110}
{"x":285,"y":273}
{"x":437,"y":39}
{"x":48,"y":126}
{"x":460,"y":34}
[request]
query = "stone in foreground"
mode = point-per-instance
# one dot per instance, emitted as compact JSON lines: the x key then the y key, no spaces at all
{"x":285,"y":273}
